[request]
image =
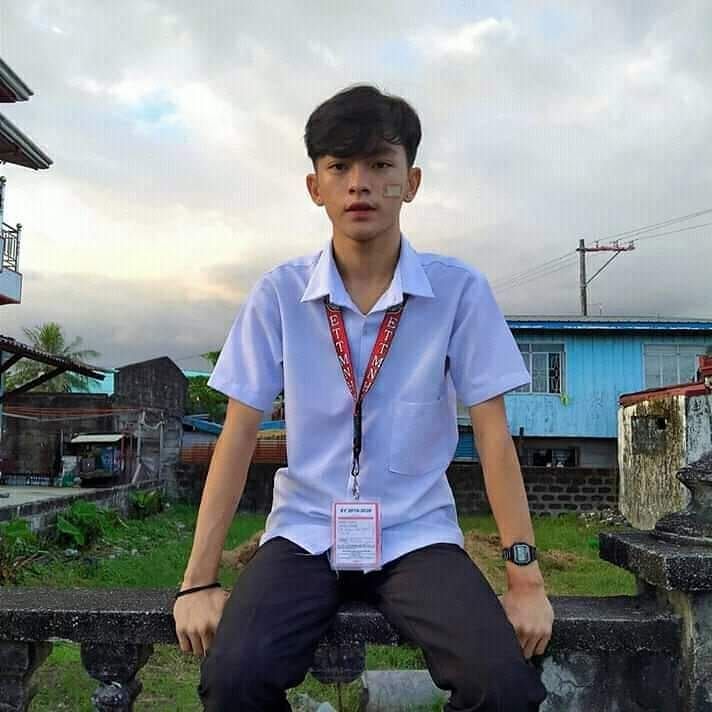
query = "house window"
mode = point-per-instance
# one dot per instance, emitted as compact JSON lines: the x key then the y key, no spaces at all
{"x":545,"y":363}
{"x":670,"y":364}
{"x":551,"y":457}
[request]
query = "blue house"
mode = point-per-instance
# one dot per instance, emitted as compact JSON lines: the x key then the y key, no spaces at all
{"x":580,"y":366}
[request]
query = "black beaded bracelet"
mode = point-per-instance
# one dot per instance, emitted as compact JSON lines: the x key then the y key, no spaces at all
{"x":215,"y":584}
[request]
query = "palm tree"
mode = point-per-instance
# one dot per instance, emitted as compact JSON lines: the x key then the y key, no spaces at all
{"x":49,"y":338}
{"x":211,"y":356}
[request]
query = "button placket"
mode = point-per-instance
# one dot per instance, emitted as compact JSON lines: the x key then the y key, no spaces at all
{"x":363,"y":351}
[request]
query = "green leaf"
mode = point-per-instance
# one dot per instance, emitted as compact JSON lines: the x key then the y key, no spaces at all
{"x":66,"y":527}
{"x":17,"y":529}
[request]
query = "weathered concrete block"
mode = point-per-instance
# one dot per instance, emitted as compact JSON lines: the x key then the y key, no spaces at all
{"x":400,"y":691}
{"x":585,"y":682}
{"x":342,"y":662}
{"x":18,"y":661}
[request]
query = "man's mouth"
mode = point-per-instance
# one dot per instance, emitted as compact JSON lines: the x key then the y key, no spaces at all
{"x":360,"y":207}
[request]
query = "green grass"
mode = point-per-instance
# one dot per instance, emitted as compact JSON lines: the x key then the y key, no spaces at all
{"x":170,"y":677}
{"x":589,"y":575}
{"x":163,"y":547}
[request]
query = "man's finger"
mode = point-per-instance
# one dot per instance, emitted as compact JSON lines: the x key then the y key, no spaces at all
{"x":529,"y":648}
{"x":207,"y":640}
{"x":541,"y":646}
{"x":522,"y":638}
{"x":183,"y":642}
{"x":196,"y":644}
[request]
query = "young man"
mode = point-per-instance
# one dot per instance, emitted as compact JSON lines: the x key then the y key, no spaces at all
{"x":372,"y":344}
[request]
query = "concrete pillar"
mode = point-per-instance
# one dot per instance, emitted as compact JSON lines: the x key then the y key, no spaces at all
{"x":115,"y":666}
{"x":674,"y":563}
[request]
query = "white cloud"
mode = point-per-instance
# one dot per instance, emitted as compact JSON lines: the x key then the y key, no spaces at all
{"x":177,"y":134}
{"x":324,"y":54}
{"x":472,"y":39}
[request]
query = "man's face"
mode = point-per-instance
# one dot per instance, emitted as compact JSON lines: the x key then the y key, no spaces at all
{"x":378,"y":183}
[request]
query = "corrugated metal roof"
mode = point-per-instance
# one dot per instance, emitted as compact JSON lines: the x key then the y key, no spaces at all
{"x":10,"y":345}
{"x":97,"y":438}
{"x":12,"y":88}
{"x":17,"y":148}
{"x":608,"y":323}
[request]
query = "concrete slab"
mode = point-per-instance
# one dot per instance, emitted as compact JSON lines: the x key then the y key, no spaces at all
{"x":22,"y":495}
{"x":401,"y":691}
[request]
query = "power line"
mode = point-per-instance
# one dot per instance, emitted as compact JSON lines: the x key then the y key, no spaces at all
{"x":654,"y":226}
{"x":505,"y":281}
{"x":544,"y":269}
{"x":671,"y":232}
{"x":616,"y":248}
{"x":533,"y":277}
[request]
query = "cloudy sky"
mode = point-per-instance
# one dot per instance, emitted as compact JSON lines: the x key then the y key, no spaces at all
{"x":177,"y":138}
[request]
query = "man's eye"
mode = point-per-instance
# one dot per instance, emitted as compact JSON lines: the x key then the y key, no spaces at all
{"x":337,"y":165}
{"x":383,"y":163}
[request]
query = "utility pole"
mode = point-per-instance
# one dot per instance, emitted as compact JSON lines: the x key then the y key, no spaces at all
{"x":582,"y":277}
{"x":582,"y":250}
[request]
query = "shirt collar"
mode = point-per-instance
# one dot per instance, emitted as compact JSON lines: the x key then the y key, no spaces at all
{"x":408,"y":278}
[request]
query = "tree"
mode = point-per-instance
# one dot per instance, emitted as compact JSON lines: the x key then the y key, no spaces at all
{"x":49,"y":338}
{"x":204,"y":399}
{"x":211,"y":356}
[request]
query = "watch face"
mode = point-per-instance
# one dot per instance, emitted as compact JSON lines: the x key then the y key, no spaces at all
{"x":521,"y":553}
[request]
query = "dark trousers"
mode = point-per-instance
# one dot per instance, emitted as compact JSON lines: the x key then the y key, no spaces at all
{"x":285,"y":599}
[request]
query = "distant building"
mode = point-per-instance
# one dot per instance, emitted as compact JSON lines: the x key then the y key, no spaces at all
{"x":18,"y":149}
{"x":15,"y":148}
{"x":146,"y":403}
{"x":580,"y":366}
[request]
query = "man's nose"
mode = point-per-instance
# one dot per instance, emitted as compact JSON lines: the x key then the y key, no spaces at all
{"x":359,"y":179}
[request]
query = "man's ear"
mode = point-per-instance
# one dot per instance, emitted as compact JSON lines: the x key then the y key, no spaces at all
{"x":313,"y":188}
{"x":414,"y":178}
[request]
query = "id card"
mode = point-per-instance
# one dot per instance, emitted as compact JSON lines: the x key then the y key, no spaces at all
{"x":356,"y":535}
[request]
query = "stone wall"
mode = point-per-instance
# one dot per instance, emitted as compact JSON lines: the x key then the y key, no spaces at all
{"x":162,"y":388}
{"x":41,"y":514}
{"x":157,"y":383}
{"x":549,"y":491}
{"x":33,"y":446}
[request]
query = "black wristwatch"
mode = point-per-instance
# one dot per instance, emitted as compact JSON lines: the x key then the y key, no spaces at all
{"x":520,"y":553}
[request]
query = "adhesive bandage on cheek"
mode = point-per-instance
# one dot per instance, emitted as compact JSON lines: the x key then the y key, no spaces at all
{"x":392,"y":190}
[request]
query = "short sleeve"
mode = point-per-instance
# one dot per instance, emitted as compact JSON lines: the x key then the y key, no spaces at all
{"x":249,"y":368}
{"x":485,"y":360}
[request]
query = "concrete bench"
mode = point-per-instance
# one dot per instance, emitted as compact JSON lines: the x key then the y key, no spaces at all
{"x":619,"y":647}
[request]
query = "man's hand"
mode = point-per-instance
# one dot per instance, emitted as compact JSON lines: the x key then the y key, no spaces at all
{"x":532,"y":616}
{"x":197,"y":616}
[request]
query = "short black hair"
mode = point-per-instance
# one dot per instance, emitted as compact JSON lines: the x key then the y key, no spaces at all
{"x":357,"y":120}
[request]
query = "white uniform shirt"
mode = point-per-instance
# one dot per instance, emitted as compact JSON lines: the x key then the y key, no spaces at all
{"x":452,"y":342}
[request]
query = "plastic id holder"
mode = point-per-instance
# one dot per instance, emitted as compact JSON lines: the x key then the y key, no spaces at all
{"x":356,"y":535}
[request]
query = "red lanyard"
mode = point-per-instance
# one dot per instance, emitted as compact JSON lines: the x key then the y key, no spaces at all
{"x":380,"y":350}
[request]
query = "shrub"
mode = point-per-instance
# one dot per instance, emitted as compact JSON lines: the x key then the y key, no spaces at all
{"x":82,"y":524}
{"x":144,"y":503}
{"x":18,"y":549}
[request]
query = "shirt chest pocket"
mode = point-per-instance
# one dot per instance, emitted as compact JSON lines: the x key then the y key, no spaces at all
{"x":423,"y":437}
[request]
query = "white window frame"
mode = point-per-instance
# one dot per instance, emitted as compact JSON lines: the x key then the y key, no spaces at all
{"x":527,"y":355}
{"x":700,"y":348}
